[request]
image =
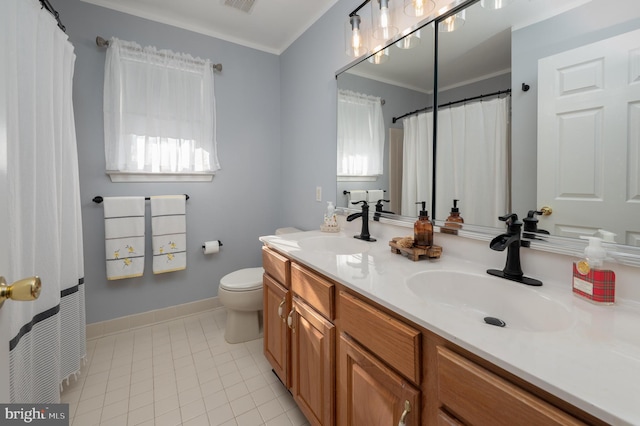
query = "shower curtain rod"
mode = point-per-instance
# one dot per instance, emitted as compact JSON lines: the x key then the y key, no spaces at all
{"x":102,"y":42}
{"x":46,"y":5}
{"x":499,"y":92}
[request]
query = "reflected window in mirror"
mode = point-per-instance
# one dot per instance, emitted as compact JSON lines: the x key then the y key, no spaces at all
{"x":360,"y":134}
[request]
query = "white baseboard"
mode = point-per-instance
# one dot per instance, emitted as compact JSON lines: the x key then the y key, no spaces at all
{"x":129,"y":322}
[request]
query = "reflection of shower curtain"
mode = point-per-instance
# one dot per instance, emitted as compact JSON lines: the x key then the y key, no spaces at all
{"x":472,"y":161}
{"x":417,"y":170}
{"x":45,"y":238}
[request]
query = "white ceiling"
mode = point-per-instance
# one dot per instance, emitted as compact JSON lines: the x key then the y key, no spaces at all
{"x":270,"y":25}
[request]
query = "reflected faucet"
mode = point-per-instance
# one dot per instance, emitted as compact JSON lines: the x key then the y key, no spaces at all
{"x":379,"y":210}
{"x":531,"y":227}
{"x":512,"y":242}
{"x":364,"y":214}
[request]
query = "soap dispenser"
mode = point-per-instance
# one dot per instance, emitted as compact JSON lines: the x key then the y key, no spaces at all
{"x":454,"y":221}
{"x":590,"y":280}
{"x":423,"y":228}
{"x":330,"y":219}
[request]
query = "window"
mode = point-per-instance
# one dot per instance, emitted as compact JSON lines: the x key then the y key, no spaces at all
{"x":360,"y":134}
{"x":159,"y":114}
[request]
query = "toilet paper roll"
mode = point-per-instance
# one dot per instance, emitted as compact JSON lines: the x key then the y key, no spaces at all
{"x":211,"y":247}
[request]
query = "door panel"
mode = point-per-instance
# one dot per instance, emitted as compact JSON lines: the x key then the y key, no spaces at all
{"x":588,"y":139}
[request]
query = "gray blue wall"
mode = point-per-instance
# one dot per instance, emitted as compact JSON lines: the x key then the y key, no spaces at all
{"x":243,"y":201}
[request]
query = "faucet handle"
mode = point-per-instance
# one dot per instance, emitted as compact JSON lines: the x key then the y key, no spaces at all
{"x":364,"y":203}
{"x":510,"y":218}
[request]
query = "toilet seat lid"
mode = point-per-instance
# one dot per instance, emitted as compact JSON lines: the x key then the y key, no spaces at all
{"x":243,"y":279}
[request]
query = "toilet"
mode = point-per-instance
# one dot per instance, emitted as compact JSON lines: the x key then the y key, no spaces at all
{"x":241,"y":293}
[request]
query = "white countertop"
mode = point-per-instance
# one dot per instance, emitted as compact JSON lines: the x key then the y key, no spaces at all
{"x":594,"y":363}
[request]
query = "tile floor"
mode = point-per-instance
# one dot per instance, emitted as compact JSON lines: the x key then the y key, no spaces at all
{"x":180,"y":372}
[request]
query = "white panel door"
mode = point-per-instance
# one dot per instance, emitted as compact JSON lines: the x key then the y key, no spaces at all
{"x":588,"y":139}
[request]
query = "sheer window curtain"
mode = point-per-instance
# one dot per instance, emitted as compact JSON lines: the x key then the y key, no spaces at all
{"x":417,"y":166}
{"x":473,"y":161}
{"x":159,"y":111}
{"x":45,"y":238}
{"x":361,"y":134}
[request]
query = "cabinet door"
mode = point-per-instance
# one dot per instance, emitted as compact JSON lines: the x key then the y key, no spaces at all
{"x":370,"y":393}
{"x":277,"y":304}
{"x":313,"y":364}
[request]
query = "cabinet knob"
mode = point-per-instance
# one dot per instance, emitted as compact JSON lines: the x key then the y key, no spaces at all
{"x":405,"y":413}
{"x":280,"y":310}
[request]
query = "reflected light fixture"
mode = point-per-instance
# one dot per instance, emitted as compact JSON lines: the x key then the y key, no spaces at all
{"x":418,"y":8}
{"x":380,"y":57}
{"x":495,"y":4}
{"x":383,"y":28}
{"x":452,"y":23}
{"x":409,"y":41}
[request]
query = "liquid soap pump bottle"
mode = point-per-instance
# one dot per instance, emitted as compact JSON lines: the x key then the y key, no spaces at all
{"x":454,"y":221}
{"x":590,"y":280}
{"x":423,"y":228}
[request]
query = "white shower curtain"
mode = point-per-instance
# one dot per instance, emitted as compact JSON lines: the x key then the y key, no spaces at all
{"x":472,"y":159}
{"x":47,"y":335}
{"x":417,"y":169}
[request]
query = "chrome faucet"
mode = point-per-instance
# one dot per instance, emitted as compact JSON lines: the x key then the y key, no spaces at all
{"x":364,"y":214}
{"x":512,"y":242}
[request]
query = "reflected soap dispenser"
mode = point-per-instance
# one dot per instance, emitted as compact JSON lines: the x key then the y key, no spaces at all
{"x":330,"y":219}
{"x":590,"y":280}
{"x":454,"y":221}
{"x":423,"y":228}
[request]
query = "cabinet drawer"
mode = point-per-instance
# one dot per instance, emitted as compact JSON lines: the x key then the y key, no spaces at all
{"x":391,"y":340}
{"x":277,"y":266}
{"x":477,"y":396}
{"x":317,"y":291}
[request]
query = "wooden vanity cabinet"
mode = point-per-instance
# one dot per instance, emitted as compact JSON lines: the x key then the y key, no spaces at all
{"x":276,"y":283}
{"x":378,"y":366}
{"x":299,"y":336}
{"x":350,"y":361}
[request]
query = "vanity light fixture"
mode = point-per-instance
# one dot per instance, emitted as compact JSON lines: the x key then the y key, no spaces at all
{"x":355,"y":34}
{"x":380,"y":57}
{"x":383,"y":20}
{"x":409,"y":41}
{"x":418,"y":8}
{"x":452,"y":23}
{"x":495,"y":4}
{"x":355,"y":37}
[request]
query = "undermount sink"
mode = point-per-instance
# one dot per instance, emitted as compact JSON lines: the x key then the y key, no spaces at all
{"x":478,"y":296}
{"x":334,"y":244}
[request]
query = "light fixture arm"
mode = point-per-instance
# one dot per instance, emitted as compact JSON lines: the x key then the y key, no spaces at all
{"x":357,"y":9}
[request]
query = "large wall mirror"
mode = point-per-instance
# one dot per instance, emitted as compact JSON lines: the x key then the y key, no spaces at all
{"x":538,"y":106}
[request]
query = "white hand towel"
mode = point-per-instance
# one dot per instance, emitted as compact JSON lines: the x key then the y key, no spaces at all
{"x":169,"y":226}
{"x":357,"y":195}
{"x":374,"y":195}
{"x":124,"y":236}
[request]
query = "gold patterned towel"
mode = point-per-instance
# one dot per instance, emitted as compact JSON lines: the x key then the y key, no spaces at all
{"x":168,"y":227}
{"x":124,"y":236}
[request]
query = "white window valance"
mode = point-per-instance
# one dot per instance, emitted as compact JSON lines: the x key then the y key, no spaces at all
{"x":361,"y":134}
{"x":159,"y":111}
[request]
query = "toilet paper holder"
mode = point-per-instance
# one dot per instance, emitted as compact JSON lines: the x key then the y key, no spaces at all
{"x":219,"y":243}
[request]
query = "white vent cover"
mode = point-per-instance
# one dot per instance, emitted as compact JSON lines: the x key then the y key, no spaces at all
{"x":243,"y":5}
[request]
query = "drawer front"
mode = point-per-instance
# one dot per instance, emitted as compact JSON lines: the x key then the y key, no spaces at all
{"x":277,"y":266}
{"x":477,"y":396}
{"x":317,"y":291}
{"x":391,"y":340}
